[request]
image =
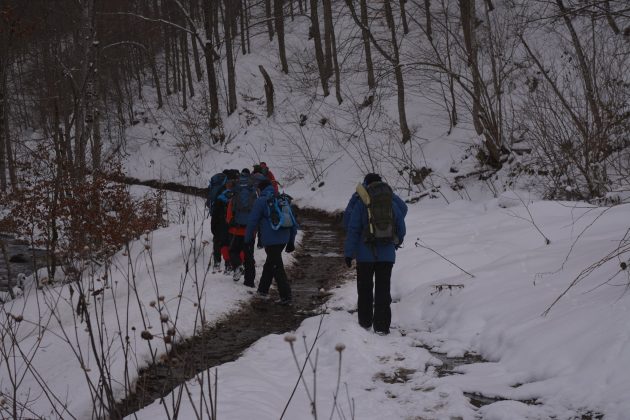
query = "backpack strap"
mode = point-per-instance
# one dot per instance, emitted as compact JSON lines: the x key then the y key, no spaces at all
{"x":365,"y":198}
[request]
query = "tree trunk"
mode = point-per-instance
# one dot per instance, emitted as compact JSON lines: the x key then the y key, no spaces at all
{"x":333,"y":42}
{"x":269,"y":17}
{"x":86,"y":37}
{"x":467,"y":12}
{"x":231,"y":74}
{"x":176,"y":65}
{"x":488,"y":128}
{"x":191,"y":88}
{"x":319,"y":54}
{"x":427,"y":11}
{"x":279,"y":19}
{"x":246,"y":17}
{"x":156,"y":77}
{"x":3,"y":164}
{"x":585,"y":70}
{"x":327,"y":40}
{"x":400,"y":83}
{"x":403,"y":16}
{"x":268,"y":91}
{"x":366,"y":45}
{"x":243,"y":13}
{"x":209,"y":57}
{"x":194,"y":10}
{"x":183,"y":72}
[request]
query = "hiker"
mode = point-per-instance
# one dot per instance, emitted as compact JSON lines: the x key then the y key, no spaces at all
{"x":276,"y":228}
{"x":243,"y":198}
{"x":218,"y":226}
{"x":220,"y":229}
{"x":263,"y":169}
{"x":355,"y":197}
{"x":375,"y":230}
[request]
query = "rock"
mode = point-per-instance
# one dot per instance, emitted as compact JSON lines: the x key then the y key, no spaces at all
{"x":18,"y":258}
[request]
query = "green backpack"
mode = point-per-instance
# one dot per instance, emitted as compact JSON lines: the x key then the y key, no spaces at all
{"x":378,"y":198}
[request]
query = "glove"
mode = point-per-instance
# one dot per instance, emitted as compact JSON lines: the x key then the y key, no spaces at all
{"x":348,"y":262}
{"x":290,"y":247}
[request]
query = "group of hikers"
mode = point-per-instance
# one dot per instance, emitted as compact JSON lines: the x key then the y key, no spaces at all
{"x":246,"y":204}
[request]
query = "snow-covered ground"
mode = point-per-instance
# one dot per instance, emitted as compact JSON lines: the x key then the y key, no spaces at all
{"x":570,"y":361}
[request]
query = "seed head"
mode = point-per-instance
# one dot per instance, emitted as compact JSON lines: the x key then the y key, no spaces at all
{"x":340,"y":347}
{"x":161,"y":298}
{"x":289,"y":338}
{"x":164,"y":318}
{"x":168,"y":339}
{"x":146,"y":335}
{"x":171,"y":332}
{"x":152,"y":304}
{"x":17,"y":318}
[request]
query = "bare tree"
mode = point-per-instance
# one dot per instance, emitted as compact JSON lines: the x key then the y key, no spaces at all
{"x":330,"y":28}
{"x":269,"y":16}
{"x":278,"y":14}
{"x":366,"y":45}
{"x":229,"y":53}
{"x":319,"y":53}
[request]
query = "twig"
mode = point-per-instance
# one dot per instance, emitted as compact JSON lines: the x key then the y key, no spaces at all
{"x":419,"y":245}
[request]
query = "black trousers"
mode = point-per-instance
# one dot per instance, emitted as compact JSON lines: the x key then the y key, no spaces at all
{"x":237,"y":245}
{"x":217,"y":243}
{"x":373,"y":288}
{"x":274,"y":269}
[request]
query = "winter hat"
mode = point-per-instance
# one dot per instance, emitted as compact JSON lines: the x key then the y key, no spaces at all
{"x":245,"y":171}
{"x":264,"y":184}
{"x":257,"y":169}
{"x":371,"y":177}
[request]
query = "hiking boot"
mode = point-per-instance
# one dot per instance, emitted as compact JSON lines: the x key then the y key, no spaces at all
{"x":284,"y":302}
{"x":249,"y":284}
{"x":262,"y":296}
{"x":381,"y":332}
{"x":238,"y":272}
{"x":228,"y":270}
{"x":216,"y":267}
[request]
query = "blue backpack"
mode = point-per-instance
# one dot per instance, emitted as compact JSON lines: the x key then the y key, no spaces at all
{"x":215,"y":187}
{"x":280,"y":213}
{"x":243,"y":200}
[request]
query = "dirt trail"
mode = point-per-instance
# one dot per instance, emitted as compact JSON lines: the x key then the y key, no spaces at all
{"x":319,"y":265}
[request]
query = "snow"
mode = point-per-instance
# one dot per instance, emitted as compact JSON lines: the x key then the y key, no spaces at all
{"x":571,"y":361}
{"x":568,"y":361}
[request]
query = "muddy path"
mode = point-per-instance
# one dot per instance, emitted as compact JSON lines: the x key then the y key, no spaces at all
{"x":318,"y":268}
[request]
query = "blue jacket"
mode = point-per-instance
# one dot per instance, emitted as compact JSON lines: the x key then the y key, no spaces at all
{"x":402,"y":206}
{"x":355,"y":246}
{"x":259,"y":221}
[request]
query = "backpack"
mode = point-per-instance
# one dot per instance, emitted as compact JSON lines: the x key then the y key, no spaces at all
{"x":280,"y":213}
{"x":215,"y":187}
{"x":243,"y":200}
{"x":378,"y":198}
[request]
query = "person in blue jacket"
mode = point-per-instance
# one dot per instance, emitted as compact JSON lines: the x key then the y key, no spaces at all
{"x":274,"y":242}
{"x":375,"y":261}
{"x":369,"y":178}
